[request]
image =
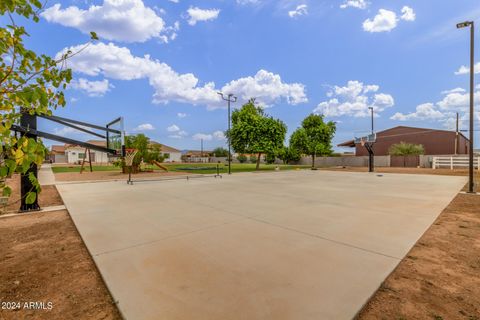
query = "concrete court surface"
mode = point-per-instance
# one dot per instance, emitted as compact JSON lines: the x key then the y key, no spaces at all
{"x":279,"y":245}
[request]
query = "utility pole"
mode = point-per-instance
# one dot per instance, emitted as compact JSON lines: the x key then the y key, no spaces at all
{"x":230,"y":98}
{"x":456,"y":136}
{"x":201,"y":148}
{"x":472,"y":83}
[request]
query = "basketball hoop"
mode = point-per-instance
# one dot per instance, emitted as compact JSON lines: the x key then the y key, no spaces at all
{"x":362,"y":142}
{"x":129,"y":156}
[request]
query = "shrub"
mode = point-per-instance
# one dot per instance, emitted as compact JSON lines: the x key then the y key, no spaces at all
{"x":253,"y":159}
{"x":242,"y":158}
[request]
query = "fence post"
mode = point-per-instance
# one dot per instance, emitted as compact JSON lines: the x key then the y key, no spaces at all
{"x":434,"y":162}
{"x":451,"y":163}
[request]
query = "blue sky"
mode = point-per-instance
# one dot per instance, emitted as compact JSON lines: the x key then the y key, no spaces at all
{"x":160,"y":63}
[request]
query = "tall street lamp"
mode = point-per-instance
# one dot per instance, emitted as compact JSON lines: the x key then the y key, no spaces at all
{"x":229,"y":98}
{"x":371,"y":110}
{"x":472,"y":79}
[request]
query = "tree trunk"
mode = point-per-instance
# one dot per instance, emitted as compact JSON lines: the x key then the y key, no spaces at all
{"x":313,"y":161}
{"x":258,"y":160}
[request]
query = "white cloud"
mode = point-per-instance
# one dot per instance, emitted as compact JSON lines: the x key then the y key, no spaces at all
{"x":245,"y":2}
{"x":354,"y":100}
{"x":92,"y":88}
{"x":119,"y":20}
{"x":466,"y":70}
{"x":456,"y":90}
{"x":118,"y":63}
{"x":359,"y":4}
{"x":173,"y":128}
{"x":196,"y":14}
{"x":385,"y":20}
{"x":300,"y":10}
{"x":408,"y":14}
{"x":144,"y":127}
{"x":426,"y":111}
{"x":202,"y":136}
{"x":181,"y":115}
{"x":219,"y":135}
{"x":444,"y":111}
{"x":267,"y":88}
{"x":176,"y":132}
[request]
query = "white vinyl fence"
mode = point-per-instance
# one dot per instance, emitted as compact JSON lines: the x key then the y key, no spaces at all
{"x":454,"y":162}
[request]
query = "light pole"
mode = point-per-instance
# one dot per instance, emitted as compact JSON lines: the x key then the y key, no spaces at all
{"x":472,"y":79}
{"x":371,"y":110}
{"x":230,"y":98}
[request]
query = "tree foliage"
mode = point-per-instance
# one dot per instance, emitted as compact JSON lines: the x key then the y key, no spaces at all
{"x":30,"y":83}
{"x":314,"y":137}
{"x":220,"y":152}
{"x":287,"y":154}
{"x":255,"y":132}
{"x":406,"y":149}
{"x":146,"y":150}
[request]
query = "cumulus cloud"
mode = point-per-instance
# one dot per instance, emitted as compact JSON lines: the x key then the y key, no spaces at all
{"x":181,"y":115}
{"x":359,"y":4}
{"x":176,"y":132}
{"x":245,"y":2}
{"x":119,"y":20}
{"x":466,"y":70}
{"x":202,"y":136}
{"x":387,"y":20}
{"x":118,"y":63}
{"x":219,"y":135}
{"x":354,"y":100}
{"x":408,"y":14}
{"x":267,"y":88}
{"x":426,"y":111}
{"x":443,"y":111}
{"x":196,"y":14}
{"x":300,"y":10}
{"x":92,"y":88}
{"x":144,"y":127}
{"x":173,"y":128}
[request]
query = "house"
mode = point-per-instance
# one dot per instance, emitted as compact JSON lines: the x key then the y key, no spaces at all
{"x":72,"y":154}
{"x":434,"y":141}
{"x":194,"y":156}
{"x":170,"y":154}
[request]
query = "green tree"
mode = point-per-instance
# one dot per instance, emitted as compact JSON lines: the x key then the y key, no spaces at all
{"x":255,"y":132}
{"x":314,"y":137}
{"x":220,"y":152}
{"x":242,"y":158}
{"x":406,"y":149}
{"x":146,"y":150}
{"x":29,"y":83}
{"x":287,"y":154}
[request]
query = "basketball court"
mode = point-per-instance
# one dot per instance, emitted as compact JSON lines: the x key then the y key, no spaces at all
{"x":280,"y":245}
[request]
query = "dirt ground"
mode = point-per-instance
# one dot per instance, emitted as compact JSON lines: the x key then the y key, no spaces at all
{"x":44,"y":263}
{"x":445,"y":172}
{"x":49,"y":196}
{"x":111,"y":175}
{"x":440,"y":277}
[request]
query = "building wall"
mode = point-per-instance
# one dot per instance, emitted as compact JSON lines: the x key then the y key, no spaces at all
{"x":435,"y":142}
{"x":73,"y":155}
{"x":173,"y":157}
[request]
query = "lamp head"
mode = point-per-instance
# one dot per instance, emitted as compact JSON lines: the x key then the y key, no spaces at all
{"x":464,"y":24}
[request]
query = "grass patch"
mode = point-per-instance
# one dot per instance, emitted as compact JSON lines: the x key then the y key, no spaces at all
{"x":200,"y":168}
{"x":76,"y":168}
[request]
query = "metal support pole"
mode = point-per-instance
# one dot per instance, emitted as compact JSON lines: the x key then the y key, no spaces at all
{"x":230,"y":98}
{"x":28,"y":121}
{"x":472,"y":84}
